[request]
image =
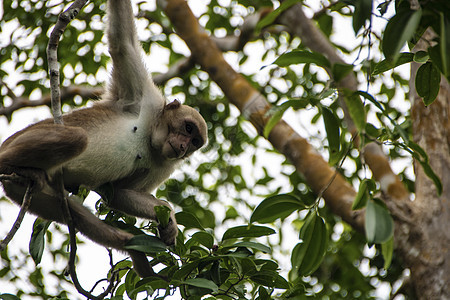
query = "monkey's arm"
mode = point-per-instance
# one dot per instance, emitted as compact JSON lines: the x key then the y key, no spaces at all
{"x":142,"y":205}
{"x":131,"y":84}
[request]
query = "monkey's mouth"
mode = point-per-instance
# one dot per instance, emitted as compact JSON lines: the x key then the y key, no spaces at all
{"x":174,"y":151}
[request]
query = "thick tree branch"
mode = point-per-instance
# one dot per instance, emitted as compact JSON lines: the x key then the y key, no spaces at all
{"x":314,"y":39}
{"x":339,"y":195}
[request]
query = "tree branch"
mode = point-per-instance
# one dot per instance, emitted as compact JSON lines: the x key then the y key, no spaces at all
{"x":23,"y":210}
{"x":66,"y":94}
{"x":339,"y":195}
{"x":314,"y":39}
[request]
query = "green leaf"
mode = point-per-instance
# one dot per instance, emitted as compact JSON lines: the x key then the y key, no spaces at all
{"x":363,"y":11}
{"x":308,"y":254}
{"x":270,"y":279}
{"x":421,"y":156}
{"x":356,"y":109}
{"x":341,"y":70}
{"x":9,"y":297}
{"x":188,"y":220}
{"x":186,"y":269}
{"x":432,"y":175}
{"x":37,"y":241}
{"x":271,"y":17}
{"x":372,"y":130}
{"x":251,"y":245}
{"x":162,"y":214}
{"x":362,"y":196}
{"x":421,"y":57}
{"x":302,"y":57}
{"x":332,"y":129}
{"x":276,"y":207}
{"x":146,"y":243}
{"x":387,"y":250}
{"x":202,"y":283}
{"x":204,"y":238}
{"x":398,"y":31}
{"x":130,"y":282}
{"x":379,"y":225}
{"x":247,"y":231}
{"x":428,"y":80}
{"x":388,"y":64}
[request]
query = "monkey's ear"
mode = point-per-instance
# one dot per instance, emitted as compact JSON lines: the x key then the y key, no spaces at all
{"x":172,"y":105}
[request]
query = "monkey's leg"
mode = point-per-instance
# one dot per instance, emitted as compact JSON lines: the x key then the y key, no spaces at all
{"x":48,"y":206}
{"x":142,"y":205}
{"x":36,"y":149}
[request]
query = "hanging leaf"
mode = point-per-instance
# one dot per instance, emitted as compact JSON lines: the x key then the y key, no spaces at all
{"x":444,"y":43}
{"x":356,"y":110}
{"x":399,"y":30}
{"x":379,"y":225}
{"x":37,"y":241}
{"x":276,"y":207}
{"x":308,"y":254}
{"x":436,"y":58}
{"x":363,"y":11}
{"x":428,"y":80}
{"x":387,"y":250}
{"x":333,"y":132}
{"x":362,"y":196}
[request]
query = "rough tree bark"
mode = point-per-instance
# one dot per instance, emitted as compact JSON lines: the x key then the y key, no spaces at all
{"x":426,"y":249}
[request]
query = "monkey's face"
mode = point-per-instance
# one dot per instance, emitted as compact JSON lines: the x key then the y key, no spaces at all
{"x":186,"y":132}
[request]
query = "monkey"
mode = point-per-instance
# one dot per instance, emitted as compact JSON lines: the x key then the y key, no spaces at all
{"x":131,"y":141}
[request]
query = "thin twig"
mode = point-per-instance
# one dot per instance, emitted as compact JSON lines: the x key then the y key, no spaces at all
{"x":23,"y":209}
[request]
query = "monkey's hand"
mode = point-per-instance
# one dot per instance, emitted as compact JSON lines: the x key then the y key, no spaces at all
{"x":167,"y":227}
{"x":169,"y":232}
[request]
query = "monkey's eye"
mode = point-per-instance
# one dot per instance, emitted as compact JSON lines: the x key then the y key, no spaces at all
{"x":189,"y":128}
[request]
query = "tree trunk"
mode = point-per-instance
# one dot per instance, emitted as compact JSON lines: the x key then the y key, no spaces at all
{"x":427,"y":248}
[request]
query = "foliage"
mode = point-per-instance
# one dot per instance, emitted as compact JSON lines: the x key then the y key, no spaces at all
{"x":222,"y":194}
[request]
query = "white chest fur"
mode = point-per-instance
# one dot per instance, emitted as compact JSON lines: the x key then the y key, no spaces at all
{"x":114,"y":151}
